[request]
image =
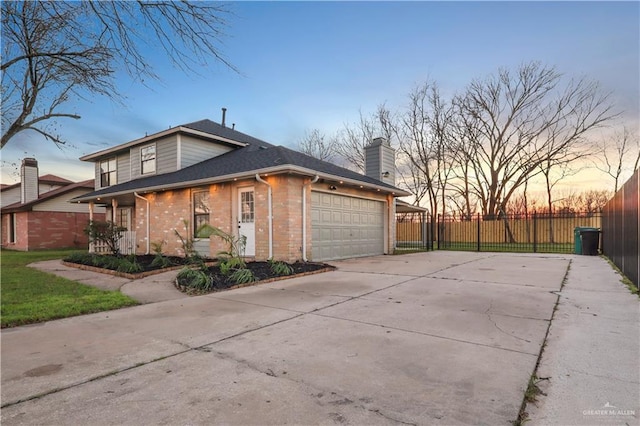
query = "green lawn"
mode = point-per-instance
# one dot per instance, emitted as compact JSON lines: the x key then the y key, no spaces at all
{"x":30,"y":296}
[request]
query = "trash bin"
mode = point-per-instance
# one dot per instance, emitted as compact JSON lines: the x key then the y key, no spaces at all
{"x":577,"y":238}
{"x":590,"y":241}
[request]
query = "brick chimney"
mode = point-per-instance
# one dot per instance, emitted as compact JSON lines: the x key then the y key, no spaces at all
{"x":29,"y":190}
{"x":380,"y":161}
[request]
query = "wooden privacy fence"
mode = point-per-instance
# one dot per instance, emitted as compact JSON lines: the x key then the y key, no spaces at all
{"x":539,"y":228}
{"x":536,"y":232}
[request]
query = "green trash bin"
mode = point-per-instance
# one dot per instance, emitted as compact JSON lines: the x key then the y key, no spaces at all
{"x":577,"y":237}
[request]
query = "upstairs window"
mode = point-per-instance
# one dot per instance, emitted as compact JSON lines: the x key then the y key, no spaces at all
{"x":148,"y":159}
{"x":108,"y":172}
{"x":201,"y":215}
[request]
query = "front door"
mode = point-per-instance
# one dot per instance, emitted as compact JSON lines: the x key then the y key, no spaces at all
{"x":246,"y":219}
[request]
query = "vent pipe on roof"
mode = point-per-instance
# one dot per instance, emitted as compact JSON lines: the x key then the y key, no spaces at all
{"x":233,"y":126}
{"x":224,"y":115}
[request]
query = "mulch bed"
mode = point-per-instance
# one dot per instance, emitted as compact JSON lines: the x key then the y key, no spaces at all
{"x":262,"y":273}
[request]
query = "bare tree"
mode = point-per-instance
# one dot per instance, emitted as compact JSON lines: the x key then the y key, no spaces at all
{"x":424,"y":135}
{"x":54,"y":51}
{"x":517,"y":121}
{"x":354,"y":137}
{"x":618,"y":154}
{"x":316,"y":144}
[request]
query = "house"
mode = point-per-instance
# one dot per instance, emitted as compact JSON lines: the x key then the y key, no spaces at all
{"x":36,"y":213}
{"x":288,"y":205}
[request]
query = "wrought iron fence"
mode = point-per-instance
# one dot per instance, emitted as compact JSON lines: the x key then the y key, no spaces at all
{"x":533,"y":233}
{"x":621,"y":229}
{"x":414,"y":231}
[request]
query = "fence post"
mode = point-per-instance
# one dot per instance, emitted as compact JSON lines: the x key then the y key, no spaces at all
{"x":535,"y":232}
{"x":423,"y":221}
{"x":478,"y":244}
{"x":434,"y":225}
{"x":439,"y":230}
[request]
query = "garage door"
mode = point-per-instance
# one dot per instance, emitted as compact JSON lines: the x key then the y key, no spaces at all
{"x":344,"y":227}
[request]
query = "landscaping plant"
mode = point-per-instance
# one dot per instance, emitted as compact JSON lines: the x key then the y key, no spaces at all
{"x":105,"y":232}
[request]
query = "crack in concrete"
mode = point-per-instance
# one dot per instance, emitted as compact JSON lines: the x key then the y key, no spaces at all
{"x":523,"y":415}
{"x":423,"y":334}
{"x":317,"y":392}
{"x":376,"y":411}
{"x":299,"y":314}
{"x":617,"y":379}
{"x":488,"y":313}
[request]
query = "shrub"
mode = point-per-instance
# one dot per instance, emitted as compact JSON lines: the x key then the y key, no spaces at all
{"x":106,"y":232}
{"x":280,"y":268}
{"x":242,"y":276}
{"x":129,"y":265}
{"x":227,"y":266}
{"x":83,"y":258}
{"x":196,"y":279}
{"x":106,"y":262}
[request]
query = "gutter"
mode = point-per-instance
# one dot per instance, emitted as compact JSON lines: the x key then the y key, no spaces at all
{"x":248,"y":174}
{"x":148,"y":227}
{"x":270,"y":216}
{"x":304,"y":215}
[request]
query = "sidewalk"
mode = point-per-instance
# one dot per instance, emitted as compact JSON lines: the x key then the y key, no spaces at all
{"x":151,"y":289}
{"x":590,"y":368}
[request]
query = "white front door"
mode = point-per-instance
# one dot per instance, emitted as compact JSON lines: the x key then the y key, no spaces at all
{"x":246,"y":219}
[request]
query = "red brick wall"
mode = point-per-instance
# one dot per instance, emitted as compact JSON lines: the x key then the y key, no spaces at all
{"x":46,"y":230}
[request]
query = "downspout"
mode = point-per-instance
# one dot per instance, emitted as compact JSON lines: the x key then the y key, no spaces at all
{"x":148,"y":227}
{"x":270,"y":217}
{"x":304,"y":216}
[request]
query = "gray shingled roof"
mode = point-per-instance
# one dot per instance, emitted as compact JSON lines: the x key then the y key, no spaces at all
{"x":216,"y":129}
{"x":258,"y":155}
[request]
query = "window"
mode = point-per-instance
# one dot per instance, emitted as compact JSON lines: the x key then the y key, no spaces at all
{"x":201,"y":214}
{"x":148,"y":159}
{"x":247,"y":207}
{"x":12,"y":228}
{"x":123,"y":218}
{"x":108,"y":172}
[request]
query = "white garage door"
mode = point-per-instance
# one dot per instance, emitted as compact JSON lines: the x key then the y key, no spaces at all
{"x":344,"y":227}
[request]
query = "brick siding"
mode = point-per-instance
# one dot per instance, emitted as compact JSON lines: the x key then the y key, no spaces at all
{"x":169,"y":210}
{"x":47,"y":230}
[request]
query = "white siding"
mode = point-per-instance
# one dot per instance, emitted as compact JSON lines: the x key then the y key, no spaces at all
{"x":61,"y":204}
{"x":194,"y":150}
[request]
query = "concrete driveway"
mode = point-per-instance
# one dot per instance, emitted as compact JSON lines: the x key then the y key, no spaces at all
{"x":429,"y":338}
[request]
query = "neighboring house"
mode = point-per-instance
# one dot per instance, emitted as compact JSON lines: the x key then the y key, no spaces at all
{"x":36,"y":213}
{"x":288,"y":205}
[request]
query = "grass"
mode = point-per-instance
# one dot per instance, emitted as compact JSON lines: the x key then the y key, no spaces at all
{"x":624,"y":279}
{"x":31,"y":296}
{"x":508,"y":247}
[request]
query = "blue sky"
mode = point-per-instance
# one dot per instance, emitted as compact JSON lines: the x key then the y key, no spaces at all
{"x":311,"y":65}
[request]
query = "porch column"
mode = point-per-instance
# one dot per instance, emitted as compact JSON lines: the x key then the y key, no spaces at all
{"x":91,"y":211}
{"x":114,"y":207}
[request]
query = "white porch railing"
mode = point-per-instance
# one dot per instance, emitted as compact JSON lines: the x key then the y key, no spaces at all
{"x":126,"y":243}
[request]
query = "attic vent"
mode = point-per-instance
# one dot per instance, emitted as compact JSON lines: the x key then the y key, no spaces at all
{"x":263,"y":147}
